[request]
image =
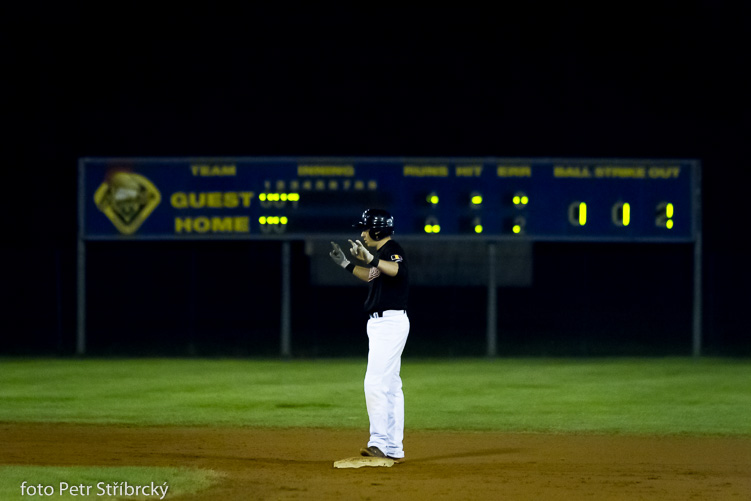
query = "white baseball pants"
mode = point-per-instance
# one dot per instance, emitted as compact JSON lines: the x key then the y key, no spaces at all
{"x":384,"y":397}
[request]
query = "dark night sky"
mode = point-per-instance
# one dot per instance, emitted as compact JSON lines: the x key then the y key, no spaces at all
{"x":663,"y":80}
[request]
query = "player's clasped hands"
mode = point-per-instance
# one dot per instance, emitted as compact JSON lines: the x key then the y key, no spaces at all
{"x":359,"y":251}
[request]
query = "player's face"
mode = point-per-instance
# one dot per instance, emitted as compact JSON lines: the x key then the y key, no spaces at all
{"x":369,"y":242}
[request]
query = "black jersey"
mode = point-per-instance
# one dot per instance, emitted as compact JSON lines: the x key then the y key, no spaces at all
{"x":385,"y":292}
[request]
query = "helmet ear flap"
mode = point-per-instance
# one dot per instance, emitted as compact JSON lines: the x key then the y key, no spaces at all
{"x":380,"y":233}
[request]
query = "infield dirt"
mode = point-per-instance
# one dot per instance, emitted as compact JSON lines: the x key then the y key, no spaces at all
{"x":298,"y":463}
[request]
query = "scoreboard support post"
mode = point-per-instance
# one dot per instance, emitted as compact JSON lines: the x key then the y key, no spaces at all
{"x":286,"y":321}
{"x":81,"y":299}
{"x":492,"y":334}
{"x":698,"y":271}
{"x":698,"y":300}
{"x":81,"y":265}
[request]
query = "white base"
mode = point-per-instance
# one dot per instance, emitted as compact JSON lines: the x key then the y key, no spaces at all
{"x":360,"y":461}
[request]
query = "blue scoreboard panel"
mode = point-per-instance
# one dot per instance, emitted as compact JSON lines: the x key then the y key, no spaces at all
{"x":473,"y":198}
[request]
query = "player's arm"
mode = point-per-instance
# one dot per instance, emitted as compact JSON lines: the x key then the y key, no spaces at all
{"x":368,"y":273}
{"x":364,"y":273}
{"x":389,"y":268}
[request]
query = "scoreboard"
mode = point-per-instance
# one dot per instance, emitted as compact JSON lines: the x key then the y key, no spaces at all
{"x":459,"y":199}
{"x":455,"y":197}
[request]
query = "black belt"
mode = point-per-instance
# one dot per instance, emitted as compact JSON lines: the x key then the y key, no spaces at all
{"x":379,"y":314}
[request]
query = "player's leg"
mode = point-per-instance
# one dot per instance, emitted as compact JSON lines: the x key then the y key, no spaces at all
{"x":395,"y":447}
{"x":376,"y":398}
{"x":386,"y":343}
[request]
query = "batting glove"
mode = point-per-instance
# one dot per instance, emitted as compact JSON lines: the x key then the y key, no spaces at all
{"x":338,"y":256}
{"x":360,"y":252}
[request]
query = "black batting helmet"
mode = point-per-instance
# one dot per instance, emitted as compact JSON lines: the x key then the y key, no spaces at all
{"x":378,"y":221}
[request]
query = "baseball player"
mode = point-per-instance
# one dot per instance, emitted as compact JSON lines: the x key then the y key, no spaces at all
{"x":387,"y":274}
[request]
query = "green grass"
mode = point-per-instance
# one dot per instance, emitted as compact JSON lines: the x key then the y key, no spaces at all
{"x":639,"y":396}
{"x":103,"y":483}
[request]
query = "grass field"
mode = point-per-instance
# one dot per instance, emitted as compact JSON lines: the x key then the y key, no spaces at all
{"x":624,"y":396}
{"x":658,"y":396}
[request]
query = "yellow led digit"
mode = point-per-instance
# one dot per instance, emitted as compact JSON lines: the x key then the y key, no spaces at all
{"x":621,"y":214}
{"x":477,"y":225}
{"x":577,"y":213}
{"x":475,"y":199}
{"x":431,"y":225}
{"x":582,"y":214}
{"x":520,"y":200}
{"x":664,"y":215}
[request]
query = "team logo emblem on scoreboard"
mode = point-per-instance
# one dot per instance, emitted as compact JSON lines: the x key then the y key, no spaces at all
{"x":127,"y":199}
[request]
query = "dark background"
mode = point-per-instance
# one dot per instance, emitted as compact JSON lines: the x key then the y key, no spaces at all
{"x":663,"y":80}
